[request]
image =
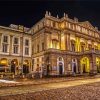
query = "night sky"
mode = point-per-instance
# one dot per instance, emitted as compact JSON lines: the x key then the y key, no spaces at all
{"x":28,"y":12}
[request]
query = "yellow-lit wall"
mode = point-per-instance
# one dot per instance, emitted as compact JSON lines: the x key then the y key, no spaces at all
{"x":85,"y":61}
{"x":63,"y":42}
{"x":77,"y":44}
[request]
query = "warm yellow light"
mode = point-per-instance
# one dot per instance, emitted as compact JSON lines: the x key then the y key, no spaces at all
{"x":85,"y":61}
{"x":97,"y":60}
{"x":3,"y":62}
{"x":62,"y":25}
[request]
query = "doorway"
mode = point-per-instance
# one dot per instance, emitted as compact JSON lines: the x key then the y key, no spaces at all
{"x":60,"y":68}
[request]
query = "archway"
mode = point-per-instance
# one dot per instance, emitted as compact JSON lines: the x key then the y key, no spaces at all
{"x":98,"y":64}
{"x":14,"y":64}
{"x":85,"y":65}
{"x":3,"y":65}
{"x":26,"y":67}
{"x":74,"y":65}
{"x":60,"y":64}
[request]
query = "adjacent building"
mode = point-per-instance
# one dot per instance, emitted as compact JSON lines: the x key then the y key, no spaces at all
{"x":53,"y":46}
{"x":15,"y":49}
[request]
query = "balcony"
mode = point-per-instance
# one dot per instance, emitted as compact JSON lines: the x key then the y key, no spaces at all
{"x":52,"y":50}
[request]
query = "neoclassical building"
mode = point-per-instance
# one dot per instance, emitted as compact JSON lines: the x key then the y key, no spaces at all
{"x":53,"y":46}
{"x":15,"y":49}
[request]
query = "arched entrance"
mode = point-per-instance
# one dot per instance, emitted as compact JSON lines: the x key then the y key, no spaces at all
{"x":3,"y":65}
{"x":74,"y":65}
{"x":26,"y":67}
{"x":98,"y":64}
{"x":14,"y":64}
{"x":85,"y":65}
{"x":60,"y":68}
{"x":60,"y":64}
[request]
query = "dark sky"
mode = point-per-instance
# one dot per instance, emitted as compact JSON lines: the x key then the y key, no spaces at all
{"x":28,"y":12}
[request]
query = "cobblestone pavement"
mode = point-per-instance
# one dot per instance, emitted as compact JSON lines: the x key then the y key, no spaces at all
{"x":4,"y":91}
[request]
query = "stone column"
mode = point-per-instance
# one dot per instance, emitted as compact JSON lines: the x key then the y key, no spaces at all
{"x":93,"y":68}
{"x":65,"y":64}
{"x":68,"y":42}
{"x":21,"y":51}
{"x":0,"y":43}
{"x":11,"y":45}
{"x":78,"y":66}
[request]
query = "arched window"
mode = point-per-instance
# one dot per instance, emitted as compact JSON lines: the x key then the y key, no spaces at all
{"x":82,"y":47}
{"x":89,"y":46}
{"x":54,"y":43}
{"x":73,"y":46}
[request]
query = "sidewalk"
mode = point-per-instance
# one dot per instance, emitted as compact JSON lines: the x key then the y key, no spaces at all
{"x":25,"y":81}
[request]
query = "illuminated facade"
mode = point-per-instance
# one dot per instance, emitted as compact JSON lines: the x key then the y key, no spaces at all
{"x":64,"y":46}
{"x":15,"y":49}
{"x":53,"y":46}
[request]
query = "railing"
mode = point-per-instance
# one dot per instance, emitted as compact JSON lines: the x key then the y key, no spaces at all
{"x":72,"y":52}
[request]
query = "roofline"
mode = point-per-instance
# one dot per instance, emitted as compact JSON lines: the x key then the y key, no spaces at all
{"x":8,"y":28}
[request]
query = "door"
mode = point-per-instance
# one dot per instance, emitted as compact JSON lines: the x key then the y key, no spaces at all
{"x":13,"y":66}
{"x":84,"y":70}
{"x":74,"y":68}
{"x":60,"y":69}
{"x":25,"y":69}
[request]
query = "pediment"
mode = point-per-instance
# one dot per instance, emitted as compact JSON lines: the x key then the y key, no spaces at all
{"x":88,"y":25}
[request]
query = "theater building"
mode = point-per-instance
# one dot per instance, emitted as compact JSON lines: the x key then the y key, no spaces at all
{"x":53,"y":46}
{"x":64,"y":46}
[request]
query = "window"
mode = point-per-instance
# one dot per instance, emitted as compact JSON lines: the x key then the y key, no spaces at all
{"x":96,"y":47}
{"x":56,"y":25}
{"x":33,"y":49}
{"x":78,"y":28}
{"x":5,"y":39}
{"x":48,"y":22}
{"x":42,"y":46}
{"x":4,"y":48}
{"x":73,"y":46}
{"x":26,"y":51}
{"x":82,"y":47}
{"x":38,"y":48}
{"x":37,"y":60}
{"x":53,"y":24}
{"x":15,"y":40}
{"x":69,"y":25}
{"x":27,"y":47}
{"x":15,"y":49}
{"x":33,"y":60}
{"x":26,"y":42}
{"x":42,"y":59}
{"x":54,"y":44}
{"x":89,"y":46}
